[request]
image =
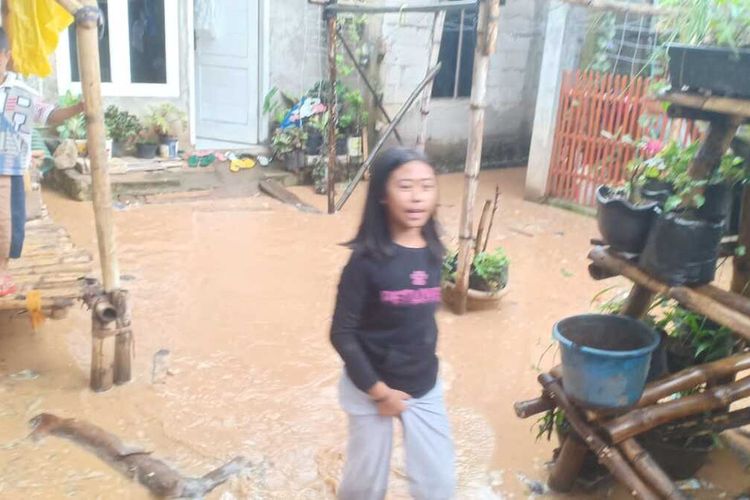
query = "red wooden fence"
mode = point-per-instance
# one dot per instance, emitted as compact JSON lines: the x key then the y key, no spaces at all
{"x":591,"y":103}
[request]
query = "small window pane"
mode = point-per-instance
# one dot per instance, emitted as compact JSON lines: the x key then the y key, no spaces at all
{"x":456,"y":33}
{"x":148,"y":59}
{"x":104,"y":59}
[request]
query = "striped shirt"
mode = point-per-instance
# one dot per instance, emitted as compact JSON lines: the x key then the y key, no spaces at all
{"x":20,"y":109}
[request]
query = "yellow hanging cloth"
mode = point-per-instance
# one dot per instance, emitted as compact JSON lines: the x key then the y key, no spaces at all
{"x":34,"y":28}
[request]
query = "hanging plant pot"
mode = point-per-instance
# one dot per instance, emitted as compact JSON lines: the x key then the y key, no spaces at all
{"x":736,"y":209}
{"x":341,"y":146}
{"x":719,"y":70}
{"x":682,"y":249}
{"x":658,"y":191}
{"x":146,"y":151}
{"x":354,"y":146}
{"x":718,"y":203}
{"x":623,"y":225}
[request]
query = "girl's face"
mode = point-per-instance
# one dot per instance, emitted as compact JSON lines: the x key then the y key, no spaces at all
{"x":411,"y":195}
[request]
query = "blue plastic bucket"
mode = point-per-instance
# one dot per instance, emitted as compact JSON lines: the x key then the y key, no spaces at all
{"x":605,"y":358}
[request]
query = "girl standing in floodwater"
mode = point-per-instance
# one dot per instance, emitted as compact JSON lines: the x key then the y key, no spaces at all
{"x":384,"y":329}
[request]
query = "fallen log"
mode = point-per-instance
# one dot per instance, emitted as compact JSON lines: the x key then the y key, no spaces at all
{"x":135,"y":463}
{"x":275,"y":190}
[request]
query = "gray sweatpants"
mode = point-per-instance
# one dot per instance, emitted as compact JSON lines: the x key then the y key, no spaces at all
{"x":430,"y":463}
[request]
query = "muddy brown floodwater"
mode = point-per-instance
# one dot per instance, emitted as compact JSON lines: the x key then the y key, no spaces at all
{"x":241,"y":293}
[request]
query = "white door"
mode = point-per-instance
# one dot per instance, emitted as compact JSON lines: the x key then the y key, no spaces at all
{"x":227,"y":77}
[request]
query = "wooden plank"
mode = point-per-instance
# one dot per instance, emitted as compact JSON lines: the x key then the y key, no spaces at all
{"x":715,"y":104}
{"x":279,"y":192}
{"x":623,"y":7}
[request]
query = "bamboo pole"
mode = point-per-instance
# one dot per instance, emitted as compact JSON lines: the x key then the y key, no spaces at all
{"x":436,"y":36}
{"x":332,"y":112}
{"x":495,"y":205}
{"x":568,"y":464}
{"x":741,"y":274}
{"x":607,"y":455}
{"x":642,"y":420}
{"x":720,"y":133}
{"x":384,"y":136}
{"x":102,"y":352}
{"x":88,"y":62}
{"x":481,"y":229}
{"x":123,"y":338}
{"x":638,"y":302}
{"x":650,"y":470}
{"x":489,"y":12}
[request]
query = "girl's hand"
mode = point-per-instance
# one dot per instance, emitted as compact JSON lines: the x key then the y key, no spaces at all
{"x":390,"y":401}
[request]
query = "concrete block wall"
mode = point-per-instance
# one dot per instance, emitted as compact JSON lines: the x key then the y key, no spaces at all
{"x":511,"y":85}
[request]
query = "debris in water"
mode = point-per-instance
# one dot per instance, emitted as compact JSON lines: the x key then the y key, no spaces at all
{"x":535,"y":487}
{"x":160,"y":478}
{"x":25,"y":375}
{"x":689,"y":485}
{"x":160,"y":367}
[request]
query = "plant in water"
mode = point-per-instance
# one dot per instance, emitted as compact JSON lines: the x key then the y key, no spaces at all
{"x":552,"y":420}
{"x":489,"y":270}
{"x":121,"y":125}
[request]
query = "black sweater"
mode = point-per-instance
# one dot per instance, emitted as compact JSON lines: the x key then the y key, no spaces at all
{"x":384,"y":323}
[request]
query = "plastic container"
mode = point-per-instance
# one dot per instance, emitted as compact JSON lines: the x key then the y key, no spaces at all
{"x":605,"y":359}
{"x":624,"y":226}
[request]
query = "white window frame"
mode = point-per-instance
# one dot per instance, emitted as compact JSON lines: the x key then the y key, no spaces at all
{"x":119,"y":49}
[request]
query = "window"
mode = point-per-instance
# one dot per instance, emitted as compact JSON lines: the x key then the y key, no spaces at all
{"x":141,"y":36}
{"x":456,"y":54}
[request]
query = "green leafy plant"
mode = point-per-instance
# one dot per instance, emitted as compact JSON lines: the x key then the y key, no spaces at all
{"x":489,"y":270}
{"x":705,"y":340}
{"x":285,"y":141}
{"x":167,"y":120}
{"x":75,"y":127}
{"x":353,"y":114}
{"x":276,"y":104}
{"x":146,"y":135}
{"x":707,"y":22}
{"x":552,"y":420}
{"x":121,"y":125}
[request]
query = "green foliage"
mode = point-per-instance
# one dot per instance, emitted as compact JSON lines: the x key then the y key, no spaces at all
{"x":706,"y":340}
{"x":75,"y":127}
{"x":549,"y":422}
{"x":490,"y":267}
{"x":604,"y":31}
{"x":707,"y":22}
{"x":120,"y":124}
{"x":284,"y":141}
{"x":167,"y":120}
{"x":276,"y":104}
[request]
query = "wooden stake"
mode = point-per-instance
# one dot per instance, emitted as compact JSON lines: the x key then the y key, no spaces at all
{"x":332,"y":113}
{"x":88,"y":61}
{"x":102,"y":353}
{"x":487,"y":29}
{"x":638,"y":302}
{"x":650,"y":470}
{"x":720,"y":133}
{"x":482,"y":225}
{"x":568,"y":464}
{"x":495,"y":205}
{"x":741,"y":275}
{"x":436,"y":36}
{"x":641,"y":420}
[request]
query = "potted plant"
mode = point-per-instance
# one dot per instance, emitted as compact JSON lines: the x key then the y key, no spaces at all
{"x":122,"y":127}
{"x":73,"y":128}
{"x":708,"y":45}
{"x":288,"y":144}
{"x":488,"y":278}
{"x":146,"y":143}
{"x":353,"y":118}
{"x":624,"y":216}
{"x":169,"y":122}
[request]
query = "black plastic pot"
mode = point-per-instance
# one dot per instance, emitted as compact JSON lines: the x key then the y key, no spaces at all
{"x":477,"y":283}
{"x":314,"y":142}
{"x":719,"y":70}
{"x":295,"y":161}
{"x":659,"y":364}
{"x":657,"y":191}
{"x":341,"y":148}
{"x":119,"y":148}
{"x":680,"y":459}
{"x":682,"y":249}
{"x":624,"y":226}
{"x":146,"y":151}
{"x":718,"y":203}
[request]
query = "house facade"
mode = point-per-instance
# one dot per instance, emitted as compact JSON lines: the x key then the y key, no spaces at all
{"x":217,"y":59}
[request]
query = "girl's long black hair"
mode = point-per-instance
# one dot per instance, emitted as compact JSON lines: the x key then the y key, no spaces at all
{"x":374,"y":237}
